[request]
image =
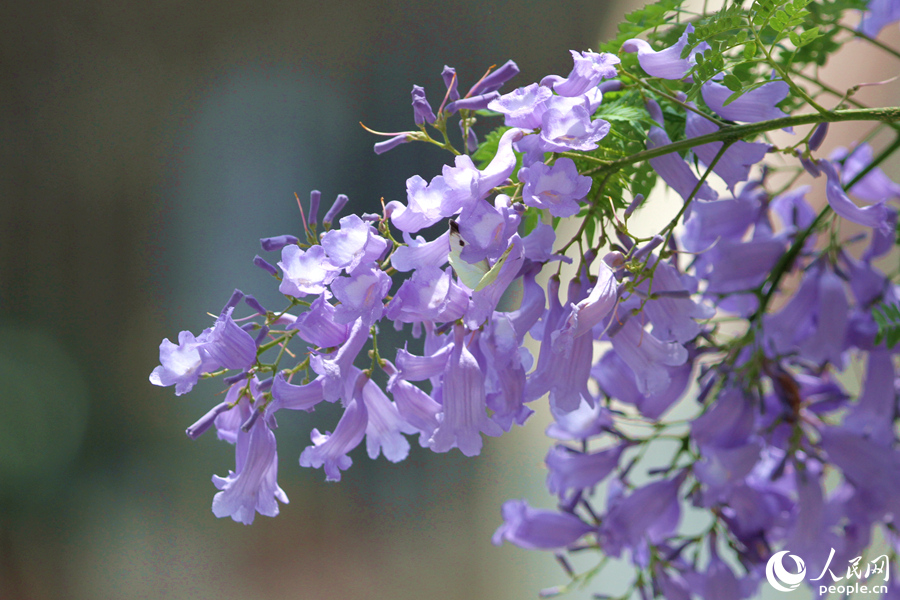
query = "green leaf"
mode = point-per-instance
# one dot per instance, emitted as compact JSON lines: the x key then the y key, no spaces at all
{"x":887,"y":317}
{"x":488,"y":148}
{"x":749,"y":50}
{"x":732,"y":83}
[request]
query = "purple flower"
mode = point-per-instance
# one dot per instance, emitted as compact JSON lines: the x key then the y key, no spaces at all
{"x":880,"y":13}
{"x":673,"y":317}
{"x":588,"y":70}
{"x":718,"y":582}
{"x":537,"y":529}
{"x":452,"y":83}
{"x":271,"y":244}
{"x":563,"y":130}
{"x":360,"y":295}
{"x":558,"y":188}
{"x":466,"y":183}
{"x":647,"y":355}
{"x":562,"y":369}
{"x":874,"y":216}
{"x":793,"y":209}
{"x":494,"y":80}
{"x":295,"y":397}
{"x":569,"y":469}
{"x":391,"y":143}
{"x":414,"y":406}
{"x":667,"y":63}
{"x":181,"y":365}
{"x":650,"y":514}
{"x":588,"y":311}
{"x":429,"y":295}
{"x":584,"y":422}
{"x":726,"y":423}
{"x":318,"y":326}
{"x":306,"y":272}
{"x":423,"y":205}
{"x":672,"y":168}
{"x":873,"y":469}
{"x":419,"y":253}
{"x":758,"y":104}
{"x":228,"y":345}
{"x":486,"y":300}
{"x":728,"y":219}
{"x":330,"y":449}
{"x":478,"y":102}
{"x":252,"y":487}
{"x":875,"y":186}
{"x":354,"y":245}
{"x":735,"y":164}
{"x":422,"y":112}
{"x":485,"y":229}
{"x":738,"y":266}
{"x":523,"y":107}
{"x":464,"y":416}
{"x":506,"y":363}
{"x":616,"y":379}
{"x":873,"y":414}
{"x":334,"y":369}
{"x":385,"y":428}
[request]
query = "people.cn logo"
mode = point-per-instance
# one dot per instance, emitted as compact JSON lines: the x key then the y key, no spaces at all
{"x":780,"y":578}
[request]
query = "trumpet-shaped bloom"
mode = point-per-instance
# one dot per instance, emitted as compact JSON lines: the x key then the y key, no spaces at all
{"x":558,"y":188}
{"x":354,"y":245}
{"x":735,"y":163}
{"x":523,"y":107}
{"x":756,"y":105}
{"x":181,"y":364}
{"x":874,"y":215}
{"x":667,"y":63}
{"x":589,"y":68}
{"x":361,"y":295}
{"x":569,"y":469}
{"x":329,"y":450}
{"x":306,"y":272}
{"x":464,"y":416}
{"x":318,"y":326}
{"x":252,"y":487}
{"x":537,"y":529}
{"x":228,"y":345}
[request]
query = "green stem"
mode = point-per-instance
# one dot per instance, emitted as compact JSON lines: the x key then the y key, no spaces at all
{"x":739,"y":132}
{"x":799,"y":91}
{"x":871,"y":40}
{"x":285,"y":338}
{"x":786,"y":262}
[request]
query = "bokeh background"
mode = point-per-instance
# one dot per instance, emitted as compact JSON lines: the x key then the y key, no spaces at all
{"x":145,"y":147}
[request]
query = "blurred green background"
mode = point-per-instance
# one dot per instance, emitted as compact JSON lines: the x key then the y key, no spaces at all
{"x":146,"y":147}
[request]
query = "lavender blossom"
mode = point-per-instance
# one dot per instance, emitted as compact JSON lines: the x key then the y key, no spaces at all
{"x":252,"y":487}
{"x":759,"y":104}
{"x":329,"y":450}
{"x":667,"y":63}
{"x":536,"y":529}
{"x":523,"y":107}
{"x":181,"y":365}
{"x":558,"y":188}
{"x":422,"y":112}
{"x":463,"y":395}
{"x":228,"y":345}
{"x":588,"y":70}
{"x":874,"y":216}
{"x":306,"y":272}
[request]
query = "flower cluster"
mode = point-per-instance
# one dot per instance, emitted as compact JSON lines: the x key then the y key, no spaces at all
{"x":642,"y":325}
